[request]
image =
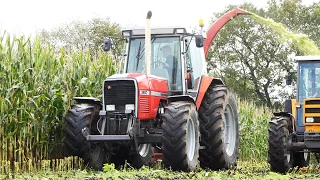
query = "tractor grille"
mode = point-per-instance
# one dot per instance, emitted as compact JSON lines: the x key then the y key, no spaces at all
{"x":119,"y":93}
{"x":312,"y":109}
{"x":144,"y":105}
{"x":316,"y":120}
{"x":313,"y":102}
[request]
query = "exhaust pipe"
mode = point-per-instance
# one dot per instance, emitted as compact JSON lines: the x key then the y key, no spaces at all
{"x":148,"y":43}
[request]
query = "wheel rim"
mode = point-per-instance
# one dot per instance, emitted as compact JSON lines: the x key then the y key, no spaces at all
{"x":305,"y":155}
{"x":288,"y":156}
{"x":288,"y":151}
{"x":229,"y":130}
{"x":143,"y":149}
{"x":191,"y":140}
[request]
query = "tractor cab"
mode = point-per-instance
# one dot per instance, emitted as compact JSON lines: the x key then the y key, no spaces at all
{"x":308,"y":88}
{"x":176,"y":55}
{"x":309,"y":79}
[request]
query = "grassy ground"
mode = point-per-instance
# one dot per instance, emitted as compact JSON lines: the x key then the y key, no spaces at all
{"x":245,"y":170}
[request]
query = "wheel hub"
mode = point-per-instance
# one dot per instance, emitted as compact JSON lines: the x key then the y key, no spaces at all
{"x":143,"y":149}
{"x":85,"y":131}
{"x":191,"y":140}
{"x":288,"y":157}
{"x":305,"y":155}
{"x":229,"y":130}
{"x":288,"y":151}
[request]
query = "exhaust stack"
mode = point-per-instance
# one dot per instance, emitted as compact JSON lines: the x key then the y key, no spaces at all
{"x":148,"y":43}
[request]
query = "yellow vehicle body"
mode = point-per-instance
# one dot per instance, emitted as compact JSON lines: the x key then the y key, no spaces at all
{"x":311,"y":109}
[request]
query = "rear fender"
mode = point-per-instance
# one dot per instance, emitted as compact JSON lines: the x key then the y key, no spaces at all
{"x":89,"y":100}
{"x":205,"y":82}
{"x":287,"y":114}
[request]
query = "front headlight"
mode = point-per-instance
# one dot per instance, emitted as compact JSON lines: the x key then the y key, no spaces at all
{"x":110,"y":107}
{"x":309,"y":120}
{"x":129,"y":108}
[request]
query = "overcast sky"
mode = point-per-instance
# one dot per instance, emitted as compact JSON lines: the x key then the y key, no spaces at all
{"x":27,"y":16}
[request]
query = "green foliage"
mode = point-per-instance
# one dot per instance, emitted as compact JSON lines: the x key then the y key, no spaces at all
{"x":109,"y":168}
{"x":36,"y":88}
{"x":245,"y":170}
{"x":85,"y":36}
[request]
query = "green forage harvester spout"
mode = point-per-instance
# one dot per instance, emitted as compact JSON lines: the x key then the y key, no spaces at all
{"x":300,"y":41}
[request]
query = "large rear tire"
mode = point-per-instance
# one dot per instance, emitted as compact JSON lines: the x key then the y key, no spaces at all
{"x":180,"y":142}
{"x":219,"y":128}
{"x":77,"y":118}
{"x":280,"y":158}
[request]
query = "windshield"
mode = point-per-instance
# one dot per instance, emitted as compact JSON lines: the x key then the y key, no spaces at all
{"x":165,"y":59}
{"x":309,"y":80}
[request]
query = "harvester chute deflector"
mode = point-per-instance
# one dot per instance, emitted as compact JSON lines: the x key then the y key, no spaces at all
{"x":218,"y":24}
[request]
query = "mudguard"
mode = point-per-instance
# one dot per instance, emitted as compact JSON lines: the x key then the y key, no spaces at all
{"x":89,"y":100}
{"x":205,"y":82}
{"x":181,"y":98}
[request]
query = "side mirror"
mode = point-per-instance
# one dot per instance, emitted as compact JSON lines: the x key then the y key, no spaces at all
{"x":289,"y":79}
{"x":107,"y":45}
{"x":199,"y":40}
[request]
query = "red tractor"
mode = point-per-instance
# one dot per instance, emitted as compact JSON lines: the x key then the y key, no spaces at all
{"x":164,"y":103}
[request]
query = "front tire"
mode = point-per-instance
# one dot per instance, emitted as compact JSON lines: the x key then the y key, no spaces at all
{"x":180,"y":142}
{"x":280,"y":158}
{"x":78,"y":117}
{"x":219,"y":127}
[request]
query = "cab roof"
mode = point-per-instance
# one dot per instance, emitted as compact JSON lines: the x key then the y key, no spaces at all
{"x":307,"y":58}
{"x":157,"y":31}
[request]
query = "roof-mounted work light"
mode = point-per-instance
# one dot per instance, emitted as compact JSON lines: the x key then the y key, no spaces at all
{"x":127,"y":33}
{"x":180,"y":31}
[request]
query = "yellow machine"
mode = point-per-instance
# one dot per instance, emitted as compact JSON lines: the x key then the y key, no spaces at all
{"x":295,"y":132}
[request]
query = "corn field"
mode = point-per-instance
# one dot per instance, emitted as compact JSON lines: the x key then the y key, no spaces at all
{"x":36,"y":88}
{"x":37,"y":85}
{"x":254,"y":122}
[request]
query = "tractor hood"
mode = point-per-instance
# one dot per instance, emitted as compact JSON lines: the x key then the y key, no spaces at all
{"x":144,"y":82}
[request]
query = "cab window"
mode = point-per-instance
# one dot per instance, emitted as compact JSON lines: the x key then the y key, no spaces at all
{"x":194,"y":62}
